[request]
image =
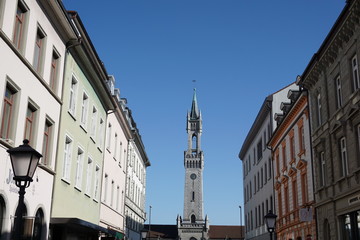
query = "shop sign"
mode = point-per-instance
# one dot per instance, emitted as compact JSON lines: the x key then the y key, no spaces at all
{"x":306,"y":214}
{"x":354,"y":200}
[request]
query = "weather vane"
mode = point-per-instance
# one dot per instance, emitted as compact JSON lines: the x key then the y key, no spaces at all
{"x":194,"y":83}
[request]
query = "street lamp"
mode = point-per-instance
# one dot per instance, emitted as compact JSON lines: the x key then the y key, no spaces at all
{"x":144,"y":232}
{"x":270,"y":220}
{"x":24,"y":160}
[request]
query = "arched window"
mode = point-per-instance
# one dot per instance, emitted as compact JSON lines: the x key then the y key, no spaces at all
{"x":39,"y":225}
{"x":193,"y":218}
{"x":194,"y":142}
{"x":2,"y":214}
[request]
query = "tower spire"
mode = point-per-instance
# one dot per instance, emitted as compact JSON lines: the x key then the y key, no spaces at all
{"x":194,"y":113}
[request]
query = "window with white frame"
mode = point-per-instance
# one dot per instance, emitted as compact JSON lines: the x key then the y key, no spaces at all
{"x":117,"y":197}
{"x":112,"y":193}
{"x":21,"y":19}
{"x":120,"y":152}
{"x":54,"y":70}
{"x":84,"y":109}
{"x":108,"y":141}
{"x":93,"y":123}
{"x":79,"y":168}
{"x":10,"y":106}
{"x":355,"y":72}
{"x":106,"y":182}
{"x":89,"y":169}
{"x":343,"y":157}
{"x":322,"y":169}
{"x":318,"y":100}
{"x":115,"y":146}
{"x":73,"y":95}
{"x":39,"y":50}
{"x":67,"y":158}
{"x":96,"y":183}
{"x":338,"y":92}
{"x":101,"y":133}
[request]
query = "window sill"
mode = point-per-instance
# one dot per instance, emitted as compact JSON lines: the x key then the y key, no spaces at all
{"x":77,"y":188}
{"x":95,"y":200}
{"x":88,"y":195}
{"x":71,"y":115}
{"x":83,"y":128}
{"x":65,"y":181}
{"x":47,"y":168}
{"x":92,"y":139}
{"x":100,"y":150}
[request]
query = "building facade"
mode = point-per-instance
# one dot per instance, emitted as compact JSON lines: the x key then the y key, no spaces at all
{"x":85,"y":102}
{"x":33,"y":37}
{"x":293,"y":175}
{"x":118,"y":134}
{"x":332,"y":80}
{"x":137,"y":162}
{"x":193,"y":225}
{"x":257,"y":167}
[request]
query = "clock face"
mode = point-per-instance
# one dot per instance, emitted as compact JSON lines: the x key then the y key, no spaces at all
{"x":193,"y":176}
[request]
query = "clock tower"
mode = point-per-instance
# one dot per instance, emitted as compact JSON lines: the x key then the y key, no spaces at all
{"x":193,"y":226}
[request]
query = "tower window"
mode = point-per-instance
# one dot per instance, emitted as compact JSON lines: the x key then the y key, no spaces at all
{"x":193,"y":218}
{"x":193,"y":196}
{"x":194,"y":142}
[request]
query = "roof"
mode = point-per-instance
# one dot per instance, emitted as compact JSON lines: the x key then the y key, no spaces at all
{"x":226,"y":232}
{"x":194,"y":113}
{"x":162,"y":231}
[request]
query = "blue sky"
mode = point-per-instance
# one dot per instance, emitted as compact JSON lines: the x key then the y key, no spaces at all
{"x":238,"y":52}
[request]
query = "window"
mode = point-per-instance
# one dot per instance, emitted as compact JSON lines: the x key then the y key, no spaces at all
{"x":304,"y":188}
{"x":280,"y":204}
{"x":39,"y":223}
{"x":294,"y":193}
{"x":284,"y":156}
{"x":96,"y":184}
{"x":120,"y":156}
{"x":262,"y":177}
{"x":265,"y":172}
{"x":101,"y":133}
{"x":54,"y":70}
{"x":112,"y":193}
{"x":8,"y":113}
{"x":88,"y":176}
{"x":343,"y":157}
{"x":84,"y":109}
{"x":318,"y":100}
{"x":269,"y":167}
{"x":116,"y":146}
{"x":355,"y":72}
{"x":93,"y":123}
{"x":47,"y":142}
{"x":277,"y":159}
{"x":117,"y":197}
{"x":338,"y":92}
{"x":264,"y":139}
{"x":20,"y":25}
{"x":322,"y":169}
{"x":67,"y":159}
{"x":301,"y":137}
{"x":79,"y":168}
{"x":73,"y":90}
{"x":106,"y":182}
{"x":30,"y":123}
{"x":292,"y":148}
{"x":39,"y":50}
{"x":108,"y":141}
{"x":259,"y":150}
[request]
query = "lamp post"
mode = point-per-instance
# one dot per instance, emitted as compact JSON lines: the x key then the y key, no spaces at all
{"x":24,"y":160}
{"x":150,"y":207}
{"x":270,"y":220}
{"x":240,"y":223}
{"x":144,"y":232}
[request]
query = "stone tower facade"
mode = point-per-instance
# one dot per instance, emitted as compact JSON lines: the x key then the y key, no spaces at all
{"x":193,"y":225}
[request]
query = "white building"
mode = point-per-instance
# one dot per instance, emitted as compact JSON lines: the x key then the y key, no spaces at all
{"x":31,"y":73}
{"x":137,"y":162}
{"x":257,"y":166}
{"x":112,"y":209}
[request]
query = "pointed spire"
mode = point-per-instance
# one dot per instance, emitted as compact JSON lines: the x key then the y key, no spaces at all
{"x":194,"y":113}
